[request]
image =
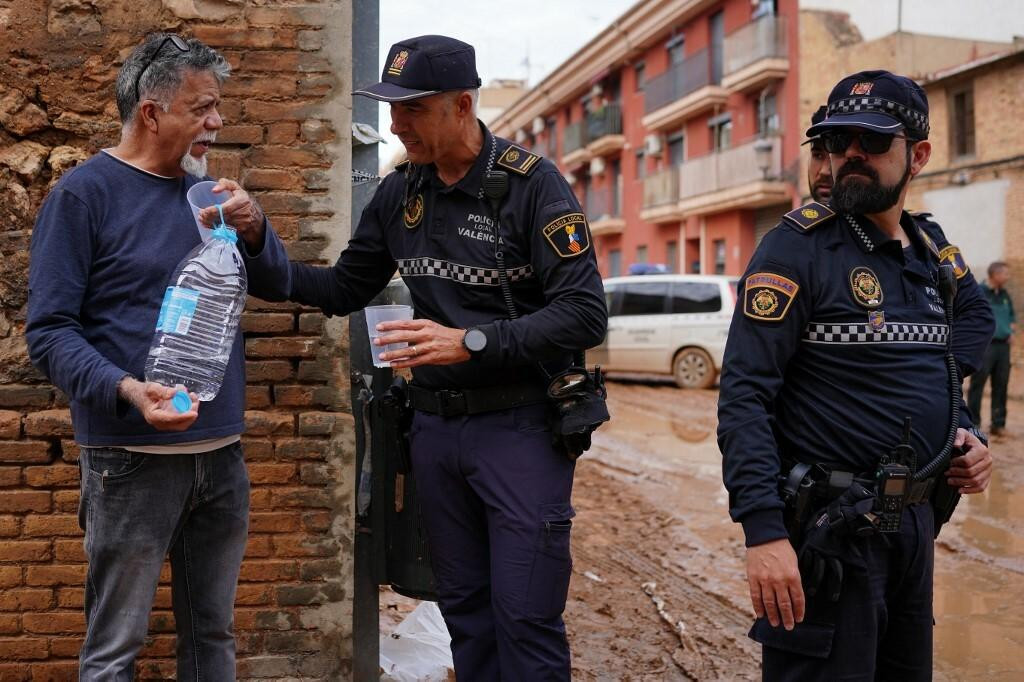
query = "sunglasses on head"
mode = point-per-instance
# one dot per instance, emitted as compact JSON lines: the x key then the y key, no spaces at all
{"x":872,"y":143}
{"x":173,"y":40}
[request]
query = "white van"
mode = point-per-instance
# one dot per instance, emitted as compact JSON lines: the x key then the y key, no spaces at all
{"x":667,"y":324}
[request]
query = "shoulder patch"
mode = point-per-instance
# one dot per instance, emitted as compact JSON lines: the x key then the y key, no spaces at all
{"x":569,"y":235}
{"x":951,"y":254}
{"x":767,"y":296}
{"x":809,"y":215}
{"x":518,"y":160}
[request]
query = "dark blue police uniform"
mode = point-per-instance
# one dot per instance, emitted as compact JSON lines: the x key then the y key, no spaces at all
{"x":493,"y":490}
{"x":840,"y":335}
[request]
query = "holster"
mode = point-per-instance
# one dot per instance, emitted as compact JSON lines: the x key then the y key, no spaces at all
{"x":944,"y":499}
{"x":575,"y":415}
{"x":397,"y":416}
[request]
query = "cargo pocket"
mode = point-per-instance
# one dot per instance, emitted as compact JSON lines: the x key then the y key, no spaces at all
{"x":806,"y":638}
{"x":552,"y":564}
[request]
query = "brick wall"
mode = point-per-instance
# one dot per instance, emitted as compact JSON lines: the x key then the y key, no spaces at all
{"x":286,"y":110}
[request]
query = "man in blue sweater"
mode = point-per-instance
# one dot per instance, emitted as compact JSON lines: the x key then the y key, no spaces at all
{"x":154,"y":481}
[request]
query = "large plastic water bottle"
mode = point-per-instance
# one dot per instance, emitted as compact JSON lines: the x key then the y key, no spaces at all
{"x":199,"y":319}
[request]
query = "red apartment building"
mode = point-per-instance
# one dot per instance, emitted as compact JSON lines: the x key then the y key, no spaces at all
{"x":678,"y":128}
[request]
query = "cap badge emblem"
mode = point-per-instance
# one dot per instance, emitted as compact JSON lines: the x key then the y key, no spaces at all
{"x":862,"y":89}
{"x":398,"y":63}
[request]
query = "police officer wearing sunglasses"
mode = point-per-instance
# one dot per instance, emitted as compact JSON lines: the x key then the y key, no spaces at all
{"x":841,"y":423}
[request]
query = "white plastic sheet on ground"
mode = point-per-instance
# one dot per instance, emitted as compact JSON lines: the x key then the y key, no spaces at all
{"x":419,"y":649}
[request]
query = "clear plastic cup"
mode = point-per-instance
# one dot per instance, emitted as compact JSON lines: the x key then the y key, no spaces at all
{"x":375,"y":314}
{"x":200,"y":196}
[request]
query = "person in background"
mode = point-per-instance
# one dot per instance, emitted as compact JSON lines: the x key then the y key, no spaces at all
{"x":996,"y":363}
{"x":819,"y":167}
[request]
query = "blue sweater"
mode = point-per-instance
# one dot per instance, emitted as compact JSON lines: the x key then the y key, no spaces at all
{"x":105,"y":243}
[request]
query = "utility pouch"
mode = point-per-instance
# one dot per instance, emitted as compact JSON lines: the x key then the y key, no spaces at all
{"x":944,"y":500}
{"x":578,"y":408}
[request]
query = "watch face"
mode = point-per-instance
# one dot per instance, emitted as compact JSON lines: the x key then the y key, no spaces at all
{"x":475,"y":340}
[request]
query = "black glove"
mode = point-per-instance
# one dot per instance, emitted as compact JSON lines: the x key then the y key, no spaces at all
{"x":829,"y":541}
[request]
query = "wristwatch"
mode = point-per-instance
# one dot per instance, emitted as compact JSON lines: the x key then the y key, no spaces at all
{"x":475,"y":341}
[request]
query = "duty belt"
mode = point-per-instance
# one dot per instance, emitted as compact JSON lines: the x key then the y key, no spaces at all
{"x":830,"y":484}
{"x":454,"y":403}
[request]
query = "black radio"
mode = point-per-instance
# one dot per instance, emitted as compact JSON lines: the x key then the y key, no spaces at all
{"x":892,"y":485}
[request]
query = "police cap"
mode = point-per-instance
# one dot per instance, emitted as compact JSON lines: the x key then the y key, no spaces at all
{"x":879,"y":101}
{"x":424,"y":66}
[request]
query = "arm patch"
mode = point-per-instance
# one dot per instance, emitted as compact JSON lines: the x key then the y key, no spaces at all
{"x":518,"y":160}
{"x":951,"y":255}
{"x":767,"y":296}
{"x":568,"y":235}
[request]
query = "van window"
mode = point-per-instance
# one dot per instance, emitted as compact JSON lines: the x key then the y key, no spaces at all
{"x":696,"y":297}
{"x":643,"y":298}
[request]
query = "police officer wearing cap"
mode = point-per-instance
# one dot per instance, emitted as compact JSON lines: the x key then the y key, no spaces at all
{"x":819,"y":167}
{"x":467,"y":210}
{"x":840,"y":415}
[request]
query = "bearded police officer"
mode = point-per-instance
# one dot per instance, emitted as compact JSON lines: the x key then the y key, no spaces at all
{"x":840,"y":398}
{"x":819,"y":168}
{"x":493,"y":490}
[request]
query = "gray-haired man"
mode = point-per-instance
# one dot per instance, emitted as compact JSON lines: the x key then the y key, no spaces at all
{"x":154,"y":481}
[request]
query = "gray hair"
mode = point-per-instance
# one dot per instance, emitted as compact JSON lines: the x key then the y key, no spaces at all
{"x":162,"y":77}
{"x":474,"y":93}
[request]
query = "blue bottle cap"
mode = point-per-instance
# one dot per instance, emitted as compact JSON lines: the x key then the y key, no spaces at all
{"x":181,"y":401}
{"x":222,"y":230}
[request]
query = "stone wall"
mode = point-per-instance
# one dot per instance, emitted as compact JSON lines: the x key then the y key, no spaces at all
{"x":287,"y":110}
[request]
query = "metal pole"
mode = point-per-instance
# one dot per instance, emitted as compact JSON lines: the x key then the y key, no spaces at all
{"x":365,"y":600}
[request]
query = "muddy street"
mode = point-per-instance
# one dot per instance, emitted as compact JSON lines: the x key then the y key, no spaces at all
{"x":659,"y":591}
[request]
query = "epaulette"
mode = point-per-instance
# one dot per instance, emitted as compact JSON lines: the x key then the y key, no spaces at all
{"x":402,"y":165}
{"x":518,"y":160}
{"x":809,"y":215}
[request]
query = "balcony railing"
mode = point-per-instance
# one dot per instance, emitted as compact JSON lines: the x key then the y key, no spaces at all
{"x":725,"y":169}
{"x":605,"y":121}
{"x":680,"y":80}
{"x":601,"y":203}
{"x":662,"y":188}
{"x":761,"y":39}
{"x":575,"y":137}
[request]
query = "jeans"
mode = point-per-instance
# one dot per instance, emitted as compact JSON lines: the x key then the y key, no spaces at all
{"x":996,"y":364}
{"x":495,"y":499}
{"x":135,"y":510}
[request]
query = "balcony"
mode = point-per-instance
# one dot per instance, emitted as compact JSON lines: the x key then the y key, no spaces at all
{"x":604,"y":130}
{"x":731,"y":179}
{"x":602,"y":206}
{"x":574,"y":145}
{"x":755,"y":55}
{"x":661,"y":196}
{"x":682,"y":92}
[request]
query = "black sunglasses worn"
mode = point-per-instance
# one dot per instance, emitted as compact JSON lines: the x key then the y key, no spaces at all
{"x":173,"y":40}
{"x":872,"y":143}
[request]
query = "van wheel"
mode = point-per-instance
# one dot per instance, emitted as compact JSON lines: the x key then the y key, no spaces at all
{"x":693,"y":368}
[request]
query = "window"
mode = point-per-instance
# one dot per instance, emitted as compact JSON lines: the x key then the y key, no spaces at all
{"x":610,"y":298}
{"x":961,"y":128}
{"x":641,"y":254}
{"x":719,"y":248}
{"x":767,"y":114}
{"x":696,"y":297}
{"x":676,"y":49}
{"x":641,"y":164}
{"x":676,"y":149}
{"x":644,"y":298}
{"x":672,"y":256}
{"x":551,"y":127}
{"x":616,"y":187}
{"x":638,"y":75}
{"x":764,"y":8}
{"x":614,"y":263}
{"x":721,"y":132}
{"x":717,"y":43}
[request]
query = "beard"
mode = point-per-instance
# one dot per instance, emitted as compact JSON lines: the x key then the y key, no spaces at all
{"x":857,"y":196}
{"x":194,"y":166}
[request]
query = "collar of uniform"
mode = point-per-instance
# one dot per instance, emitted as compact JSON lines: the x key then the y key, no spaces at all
{"x":473,"y":180}
{"x":865,"y":233}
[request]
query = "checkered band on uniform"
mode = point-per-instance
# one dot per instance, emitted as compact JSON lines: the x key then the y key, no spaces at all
{"x":466,"y":274}
{"x":914,"y":119}
{"x":894,"y":332}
